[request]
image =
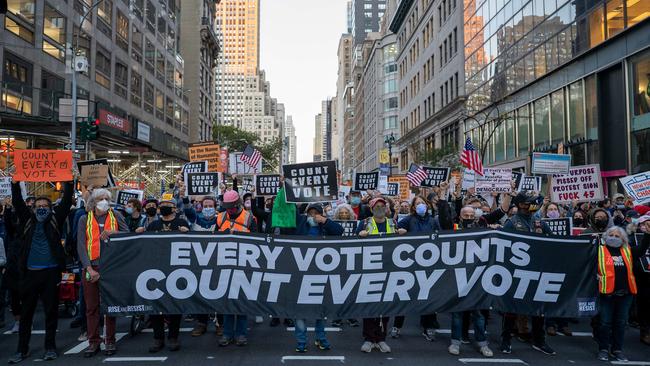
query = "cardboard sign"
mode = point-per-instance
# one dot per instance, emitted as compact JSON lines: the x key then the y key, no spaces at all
{"x":551,"y":163}
{"x":562,"y":226}
{"x":366,"y":181}
{"x":5,"y":186}
{"x":267,"y":185}
{"x":311,"y":182}
{"x":195,"y":167}
{"x":94,"y":175}
{"x":382,"y":185}
{"x":82,"y":165}
{"x":638,"y":187}
{"x":349,"y":226}
{"x":494,"y":180}
{"x":529,"y":183}
{"x":43,"y":165}
{"x":582,"y":184}
{"x":393,"y":189}
{"x":469,"y":180}
{"x":404,"y":186}
{"x":202,"y":184}
{"x":206,"y":152}
{"x":123,"y":197}
{"x":435,"y":176}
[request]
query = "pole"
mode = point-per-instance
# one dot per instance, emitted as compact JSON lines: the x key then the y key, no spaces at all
{"x":390,"y":158}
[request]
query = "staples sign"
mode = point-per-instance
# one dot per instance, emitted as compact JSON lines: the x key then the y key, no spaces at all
{"x":114,"y":121}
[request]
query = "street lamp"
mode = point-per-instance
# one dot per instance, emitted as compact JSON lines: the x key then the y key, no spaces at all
{"x":390,"y":140}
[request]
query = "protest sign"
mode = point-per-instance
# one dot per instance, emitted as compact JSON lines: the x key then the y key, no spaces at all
{"x":404,"y":186}
{"x":247,"y":183}
{"x":267,"y":185}
{"x":237,"y":166}
{"x":366,"y":181}
{"x":562,"y":226}
{"x":582,"y":184}
{"x":638,"y":187}
{"x":469,"y":180}
{"x":206,"y":152}
{"x":94,"y":175}
{"x":393,"y":189}
{"x":167,"y":196}
{"x":435,"y":176}
{"x":494,"y":180}
{"x":223,"y":160}
{"x":89,"y":164}
{"x":382,"y":184}
{"x":529,"y":183}
{"x":349,"y":226}
{"x":5,"y":186}
{"x":344,"y":192}
{"x":124,"y":196}
{"x":201,"y":184}
{"x":516,"y":178}
{"x":550,"y":163}
{"x":195,"y":167}
{"x":311,"y":182}
{"x":43,"y":165}
{"x":308,"y":277}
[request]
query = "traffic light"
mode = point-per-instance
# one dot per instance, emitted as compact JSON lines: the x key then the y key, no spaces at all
{"x":93,"y":129}
{"x":83,"y":130}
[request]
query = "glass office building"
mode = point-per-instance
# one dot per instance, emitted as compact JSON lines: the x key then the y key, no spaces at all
{"x":568,"y":75}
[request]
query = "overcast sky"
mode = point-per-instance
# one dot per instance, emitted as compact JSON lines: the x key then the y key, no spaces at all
{"x":299,"y":41}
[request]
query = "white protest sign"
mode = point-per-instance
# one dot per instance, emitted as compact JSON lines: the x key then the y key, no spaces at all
{"x":582,"y":184}
{"x":529,"y":183}
{"x":638,"y":187}
{"x":382,"y":185}
{"x":494,"y":180}
{"x":469,"y":179}
{"x":5,"y":186}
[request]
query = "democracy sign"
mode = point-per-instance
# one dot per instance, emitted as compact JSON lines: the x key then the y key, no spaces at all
{"x":201,"y":184}
{"x":123,"y":197}
{"x":366,"y":181}
{"x":308,"y":277}
{"x":267,"y":185}
{"x":43,"y":165}
{"x":561,"y":226}
{"x":494,"y":180}
{"x":393,"y":189}
{"x":529,"y":183}
{"x":435,"y":176}
{"x":638,"y":187}
{"x":349,"y":226}
{"x":582,"y":184}
{"x":195,"y":167}
{"x":311,"y":182}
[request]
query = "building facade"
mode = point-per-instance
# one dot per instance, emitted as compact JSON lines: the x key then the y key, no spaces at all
{"x":343,"y":102}
{"x":365,"y":16}
{"x":289,"y":147}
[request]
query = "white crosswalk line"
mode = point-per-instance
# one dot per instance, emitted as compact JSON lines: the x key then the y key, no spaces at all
{"x":34,"y":332}
{"x":311,"y":329}
{"x":578,"y":334}
{"x":632,"y":363}
{"x":313,"y":358}
{"x":492,"y":360}
{"x":83,"y":345}
{"x":135,"y":359}
{"x":182,"y":330}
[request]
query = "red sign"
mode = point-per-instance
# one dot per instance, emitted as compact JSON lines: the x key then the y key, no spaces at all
{"x":114,"y":121}
{"x":130,"y":184}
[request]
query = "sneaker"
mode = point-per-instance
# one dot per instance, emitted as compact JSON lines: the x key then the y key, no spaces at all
{"x":429,"y":334}
{"x":454,"y":349}
{"x":338,"y":323}
{"x":367,"y":347}
{"x":506,"y":347}
{"x":274,"y":322}
{"x":566,"y":331}
{"x":619,"y":356}
{"x":486,"y":351}
{"x":394,"y":332}
{"x":465,"y":340}
{"x":524,"y":337}
{"x":259,"y":320}
{"x":353,"y":323}
{"x":544,"y":348}
{"x":173,"y":344}
{"x":83,"y":337}
{"x":225,"y":341}
{"x":323,"y":344}
{"x":301,"y":347}
{"x":199,"y":330}
{"x":15,"y":328}
{"x":603,"y":355}
{"x":551,"y":331}
{"x":383,"y":347}
{"x":18,"y":357}
{"x":241,"y":341}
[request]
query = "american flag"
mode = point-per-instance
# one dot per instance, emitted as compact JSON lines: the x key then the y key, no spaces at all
{"x":469,"y":157}
{"x":416,"y":175}
{"x":251,"y":156}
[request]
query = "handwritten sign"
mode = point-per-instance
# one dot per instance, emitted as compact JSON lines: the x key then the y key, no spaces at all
{"x":494,"y":180}
{"x":638,"y":187}
{"x":267,"y":185}
{"x":582,"y":184}
{"x":94,"y":175}
{"x":435,"y":176}
{"x":82,"y":165}
{"x":43,"y":165}
{"x":404,"y":186}
{"x":206,"y":152}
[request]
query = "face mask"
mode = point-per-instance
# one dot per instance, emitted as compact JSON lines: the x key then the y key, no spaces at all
{"x":247,"y":205}
{"x":103,"y":205}
{"x":208,"y":212}
{"x":232,"y":211}
{"x":421,"y":209}
{"x":467,"y":223}
{"x":553,"y":214}
{"x":151,"y":211}
{"x":129,"y":210}
{"x":42,"y":213}
{"x":620,"y":206}
{"x":379,"y":212}
{"x":355,"y":201}
{"x":635,"y":221}
{"x":478,"y":212}
{"x":613,"y":241}
{"x":312,"y":222}
{"x":166,"y":210}
{"x":600,"y":223}
{"x":578,"y":221}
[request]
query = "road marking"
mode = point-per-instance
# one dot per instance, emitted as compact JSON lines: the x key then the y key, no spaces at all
{"x":83,"y":345}
{"x":491,"y":360}
{"x":577,"y":334}
{"x":448,"y":331}
{"x":34,"y":332}
{"x":182,"y":330}
{"x":639,"y":363}
{"x":313,"y":358}
{"x":135,"y":359}
{"x":311,"y":329}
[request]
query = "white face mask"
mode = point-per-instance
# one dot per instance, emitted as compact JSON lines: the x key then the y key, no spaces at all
{"x":103,"y":205}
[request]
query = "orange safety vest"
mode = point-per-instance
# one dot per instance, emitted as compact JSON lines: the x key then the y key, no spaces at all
{"x":240,"y":224}
{"x":607,"y":273}
{"x":92,"y":232}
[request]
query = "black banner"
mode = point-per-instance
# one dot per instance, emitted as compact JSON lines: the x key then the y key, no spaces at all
{"x":195,"y":167}
{"x":562,"y":226}
{"x":393,"y":189}
{"x":435,"y":176}
{"x":309,"y":277}
{"x":267,"y":185}
{"x":201,"y":184}
{"x":366,"y":181}
{"x":311,"y":182}
{"x":516,"y":177}
{"x":349,"y":226}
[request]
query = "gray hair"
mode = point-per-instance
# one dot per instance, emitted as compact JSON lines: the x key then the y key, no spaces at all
{"x":96,"y":196}
{"x":337,"y":211}
{"x":620,"y":231}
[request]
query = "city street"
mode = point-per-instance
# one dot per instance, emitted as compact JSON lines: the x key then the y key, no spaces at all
{"x":275,"y":346}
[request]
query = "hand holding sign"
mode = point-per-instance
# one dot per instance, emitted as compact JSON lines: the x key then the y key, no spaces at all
{"x":43,"y":165}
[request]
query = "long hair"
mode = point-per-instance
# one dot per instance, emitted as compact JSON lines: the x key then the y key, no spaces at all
{"x":96,"y":197}
{"x":337,"y":212}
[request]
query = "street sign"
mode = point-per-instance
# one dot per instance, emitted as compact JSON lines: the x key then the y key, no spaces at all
{"x":551,"y":163}
{"x":80,"y":146}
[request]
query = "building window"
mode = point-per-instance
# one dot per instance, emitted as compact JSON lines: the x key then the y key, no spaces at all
{"x":53,"y":51}
{"x":149,"y":56}
{"x":523,"y":135}
{"x":22,"y":8}
{"x":641,"y":113}
{"x":103,"y":62}
{"x":596,"y":26}
{"x":121,"y":79}
{"x":576,"y":112}
{"x":122,"y":38}
{"x":54,"y":25}
{"x":105,"y":12}
{"x":557,"y":117}
{"x":615,"y":19}
{"x":148,"y":97}
{"x":390,"y":103}
{"x":160,"y":105}
{"x":390,"y":122}
{"x":541,"y":122}
{"x":636,"y":11}
{"x":19,"y":30}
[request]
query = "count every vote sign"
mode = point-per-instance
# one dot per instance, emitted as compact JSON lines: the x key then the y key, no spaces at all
{"x":311,"y":182}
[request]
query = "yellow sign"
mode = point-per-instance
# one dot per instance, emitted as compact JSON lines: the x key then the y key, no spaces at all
{"x":384,"y":158}
{"x":167,"y":196}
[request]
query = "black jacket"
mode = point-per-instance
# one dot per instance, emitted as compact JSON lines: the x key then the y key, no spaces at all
{"x":53,"y":226}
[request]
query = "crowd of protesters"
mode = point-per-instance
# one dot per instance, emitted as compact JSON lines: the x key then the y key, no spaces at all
{"x":41,"y":237}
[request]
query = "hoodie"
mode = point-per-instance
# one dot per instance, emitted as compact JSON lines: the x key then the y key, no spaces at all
{"x":592,"y":227}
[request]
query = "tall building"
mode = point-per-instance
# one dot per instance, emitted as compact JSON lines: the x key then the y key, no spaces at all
{"x":366,"y":16}
{"x":323,"y":132}
{"x":259,"y":110}
{"x":290,"y":141}
{"x":342,"y":102}
{"x":431,"y":68}
{"x":199,"y":47}
{"x":567,"y":76}
{"x":318,"y":137}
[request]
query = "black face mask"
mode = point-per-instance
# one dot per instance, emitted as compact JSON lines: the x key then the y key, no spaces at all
{"x":166,"y":210}
{"x":578,"y":222}
{"x":600,"y":223}
{"x":151,"y":211}
{"x":467,"y":223}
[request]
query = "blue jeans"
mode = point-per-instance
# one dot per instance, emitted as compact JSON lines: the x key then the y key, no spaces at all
{"x":479,"y":327}
{"x":301,"y":330}
{"x":613,"y":312}
{"x":232,"y":328}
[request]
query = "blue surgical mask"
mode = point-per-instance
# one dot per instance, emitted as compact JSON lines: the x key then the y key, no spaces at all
{"x":421,"y":209}
{"x":129,"y":210}
{"x":42,"y":213}
{"x":312,"y":222}
{"x":208,"y":211}
{"x":355,"y":201}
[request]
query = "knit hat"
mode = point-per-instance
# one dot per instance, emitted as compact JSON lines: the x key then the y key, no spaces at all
{"x":231,"y":199}
{"x":316,"y":206}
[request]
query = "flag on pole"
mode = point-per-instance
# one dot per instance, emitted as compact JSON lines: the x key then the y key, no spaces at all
{"x":251,"y":156}
{"x":416,"y":175}
{"x":469,"y":158}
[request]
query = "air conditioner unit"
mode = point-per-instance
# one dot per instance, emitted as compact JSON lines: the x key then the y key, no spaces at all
{"x":80,"y":64}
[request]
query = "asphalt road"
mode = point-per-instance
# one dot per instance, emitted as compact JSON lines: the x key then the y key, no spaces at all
{"x":275,"y":346}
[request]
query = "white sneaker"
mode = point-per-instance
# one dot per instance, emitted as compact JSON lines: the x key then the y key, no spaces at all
{"x":366,"y":347}
{"x":259,"y":320}
{"x":16,"y":327}
{"x":454,"y":349}
{"x":394,"y":332}
{"x":83,"y":337}
{"x":383,"y":347}
{"x":486,"y":351}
